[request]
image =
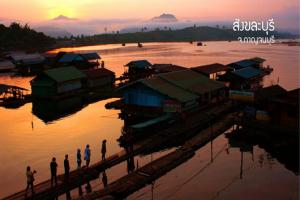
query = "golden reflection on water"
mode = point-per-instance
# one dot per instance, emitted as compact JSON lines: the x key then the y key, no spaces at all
{"x":26,"y":140}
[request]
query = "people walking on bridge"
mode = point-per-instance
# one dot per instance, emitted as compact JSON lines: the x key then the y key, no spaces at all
{"x":103,"y":149}
{"x":78,"y":158}
{"x":67,"y":167}
{"x":87,"y":155}
{"x":53,"y":169}
{"x":30,"y":179}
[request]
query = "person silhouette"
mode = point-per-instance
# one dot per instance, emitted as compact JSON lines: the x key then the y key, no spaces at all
{"x":103,"y":149}
{"x":78,"y":158}
{"x":53,"y":169}
{"x":87,"y":155}
{"x":67,"y":167}
{"x":30,"y":179}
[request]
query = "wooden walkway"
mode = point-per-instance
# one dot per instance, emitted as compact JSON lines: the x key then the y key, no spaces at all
{"x":134,"y":181}
{"x":79,"y":177}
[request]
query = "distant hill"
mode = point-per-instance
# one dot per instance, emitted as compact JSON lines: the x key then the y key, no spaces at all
{"x":18,"y":37}
{"x":65,"y":18}
{"x":165,"y":18}
{"x":203,"y":33}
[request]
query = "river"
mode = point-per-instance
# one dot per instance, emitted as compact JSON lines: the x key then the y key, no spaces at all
{"x":28,"y":138}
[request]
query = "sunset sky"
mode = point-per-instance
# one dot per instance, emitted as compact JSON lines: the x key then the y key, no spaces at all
{"x":285,"y":12}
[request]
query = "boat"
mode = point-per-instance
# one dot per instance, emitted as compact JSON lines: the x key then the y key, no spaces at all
{"x":140,"y":45}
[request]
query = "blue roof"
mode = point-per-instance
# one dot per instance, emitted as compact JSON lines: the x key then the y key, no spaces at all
{"x":141,"y":64}
{"x":243,"y":63}
{"x":70,"y":57}
{"x":248,"y":72}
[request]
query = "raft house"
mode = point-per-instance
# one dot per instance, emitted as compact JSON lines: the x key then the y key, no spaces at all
{"x":13,"y":96}
{"x":137,"y":69}
{"x":28,"y":64}
{"x":212,"y":71}
{"x":174,"y":92}
{"x":165,"y":68}
{"x":99,"y":78}
{"x":57,"y":82}
{"x":81,"y":61}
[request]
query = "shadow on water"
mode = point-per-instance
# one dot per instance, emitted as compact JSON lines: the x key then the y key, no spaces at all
{"x":52,"y":110}
{"x":284,"y":148}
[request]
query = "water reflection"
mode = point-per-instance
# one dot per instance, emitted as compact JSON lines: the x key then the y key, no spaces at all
{"x":244,"y":160}
{"x":52,"y":110}
{"x":283,"y":148}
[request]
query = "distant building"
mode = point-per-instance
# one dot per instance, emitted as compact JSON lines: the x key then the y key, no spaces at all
{"x":213,"y":71}
{"x":81,"y":61}
{"x":138,"y":69}
{"x":99,"y":78}
{"x":57,"y":82}
{"x":28,"y":63}
{"x":173,"y":92}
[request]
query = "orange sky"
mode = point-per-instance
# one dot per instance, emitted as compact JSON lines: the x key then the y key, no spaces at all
{"x":41,"y":10}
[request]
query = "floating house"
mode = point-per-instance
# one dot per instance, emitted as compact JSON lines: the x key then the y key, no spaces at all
{"x":284,"y":109}
{"x":259,"y":61}
{"x":81,"y":61}
{"x":28,"y":63}
{"x":135,"y":70}
{"x":245,"y":78}
{"x":99,"y":78}
{"x":264,"y":95}
{"x":213,"y":71}
{"x":179,"y":91}
{"x":165,"y":68}
{"x":61,"y":81}
{"x":243,"y":64}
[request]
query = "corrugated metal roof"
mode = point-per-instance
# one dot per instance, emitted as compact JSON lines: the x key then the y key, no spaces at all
{"x":70,"y":57}
{"x":20,"y":57}
{"x":164,"y":68}
{"x":169,"y":90}
{"x":90,"y":56}
{"x":141,"y":64}
{"x":211,"y":68}
{"x":242,"y":64}
{"x":191,"y":81}
{"x":248,"y":72}
{"x":64,"y":74}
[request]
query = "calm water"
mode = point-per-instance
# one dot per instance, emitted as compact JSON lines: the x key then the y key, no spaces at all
{"x":27,"y":140}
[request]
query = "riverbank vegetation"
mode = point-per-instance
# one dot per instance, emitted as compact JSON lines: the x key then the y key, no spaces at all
{"x":17,"y":37}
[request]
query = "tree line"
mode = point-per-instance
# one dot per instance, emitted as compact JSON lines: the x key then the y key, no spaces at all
{"x":22,"y":37}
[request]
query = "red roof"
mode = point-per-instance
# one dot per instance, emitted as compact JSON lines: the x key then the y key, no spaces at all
{"x":163,"y":68}
{"x":210,"y":69}
{"x":97,"y":73}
